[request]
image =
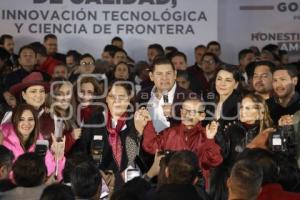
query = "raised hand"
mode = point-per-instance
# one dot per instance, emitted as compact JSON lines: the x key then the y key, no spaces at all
{"x":211,"y":130}
{"x":58,"y":147}
{"x":167,"y":109}
{"x":286,"y":120}
{"x":141,"y":118}
{"x":76,"y":133}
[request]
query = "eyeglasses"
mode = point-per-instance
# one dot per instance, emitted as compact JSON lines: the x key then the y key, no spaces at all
{"x":87,"y":63}
{"x":117,"y":97}
{"x":208,"y":62}
{"x":190,"y":112}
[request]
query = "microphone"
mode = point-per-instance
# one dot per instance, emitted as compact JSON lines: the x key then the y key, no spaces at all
{"x":165,"y":96}
{"x":58,"y":128}
{"x":166,"y":100}
{"x":97,"y":149}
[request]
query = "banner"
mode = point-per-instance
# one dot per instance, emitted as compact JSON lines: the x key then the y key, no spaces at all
{"x":259,"y":22}
{"x":88,"y":25}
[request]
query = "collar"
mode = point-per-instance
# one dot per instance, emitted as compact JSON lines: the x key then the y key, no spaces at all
{"x":114,"y":123}
{"x":171,"y":93}
{"x":293,"y":100}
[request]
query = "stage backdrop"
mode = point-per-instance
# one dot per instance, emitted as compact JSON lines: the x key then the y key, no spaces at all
{"x":243,"y":23}
{"x":88,"y":25}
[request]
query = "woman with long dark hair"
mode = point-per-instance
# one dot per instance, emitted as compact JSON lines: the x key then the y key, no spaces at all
{"x":21,"y":135}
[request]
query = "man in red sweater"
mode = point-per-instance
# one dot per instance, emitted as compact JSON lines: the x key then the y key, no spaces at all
{"x":188,"y":135}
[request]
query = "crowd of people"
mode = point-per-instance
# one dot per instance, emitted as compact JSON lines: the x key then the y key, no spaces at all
{"x":78,"y":127}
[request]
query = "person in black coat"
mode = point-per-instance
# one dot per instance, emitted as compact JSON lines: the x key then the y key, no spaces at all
{"x":113,"y":131}
{"x":253,"y":118}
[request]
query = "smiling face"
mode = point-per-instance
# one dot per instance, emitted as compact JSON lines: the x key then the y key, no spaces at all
{"x":191,"y":113}
{"x":249,"y":111}
{"x":26,"y":123}
{"x":163,"y":76}
{"x":35,"y":96}
{"x":225,"y":83}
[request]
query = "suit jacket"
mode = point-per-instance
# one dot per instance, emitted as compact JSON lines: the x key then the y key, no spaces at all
{"x":180,"y":95}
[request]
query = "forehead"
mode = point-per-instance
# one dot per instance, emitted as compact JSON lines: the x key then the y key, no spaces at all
{"x":27,"y":51}
{"x":120,"y":53}
{"x":178,"y":58}
{"x":208,"y":57}
{"x":121,"y":65}
{"x":192,"y":104}
{"x":225,"y":74}
{"x":87,"y":86}
{"x":8,"y":40}
{"x":35,"y":87}
{"x":247,"y":100}
{"x":51,"y":40}
{"x":281,"y":73}
{"x":27,"y":113}
{"x":262,"y":69}
{"x":213,"y":46}
{"x":116,"y":89}
{"x":163,"y":68}
{"x":86,"y":59}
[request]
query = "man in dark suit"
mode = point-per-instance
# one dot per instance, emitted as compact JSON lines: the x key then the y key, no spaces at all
{"x":50,"y":42}
{"x":164,"y":99}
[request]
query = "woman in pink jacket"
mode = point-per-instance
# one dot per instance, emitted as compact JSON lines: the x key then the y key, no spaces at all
{"x":21,"y":134}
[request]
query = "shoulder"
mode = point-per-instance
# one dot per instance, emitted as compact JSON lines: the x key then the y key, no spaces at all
{"x":7,"y":128}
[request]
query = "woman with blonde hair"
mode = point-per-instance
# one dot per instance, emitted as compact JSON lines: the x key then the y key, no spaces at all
{"x":253,"y":118}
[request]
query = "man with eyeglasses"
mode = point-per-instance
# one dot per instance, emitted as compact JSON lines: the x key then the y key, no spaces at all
{"x":86,"y":66}
{"x":188,"y":135}
{"x":202,"y":75}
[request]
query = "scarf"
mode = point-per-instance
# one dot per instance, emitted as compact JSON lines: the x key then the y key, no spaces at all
{"x":114,"y":136}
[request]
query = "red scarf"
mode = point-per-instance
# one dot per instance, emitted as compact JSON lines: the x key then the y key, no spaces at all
{"x":114,"y":138}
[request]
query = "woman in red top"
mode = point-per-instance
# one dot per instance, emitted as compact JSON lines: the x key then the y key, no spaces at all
{"x":188,"y":135}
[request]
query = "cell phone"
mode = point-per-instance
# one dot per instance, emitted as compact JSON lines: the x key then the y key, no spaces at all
{"x":131,"y":173}
{"x":41,"y":147}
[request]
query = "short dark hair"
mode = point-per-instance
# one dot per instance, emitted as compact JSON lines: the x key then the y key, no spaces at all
{"x":57,"y":192}
{"x":291,"y":70}
{"x":118,"y":50}
{"x":85,"y":180}
{"x":214,"y":43}
{"x":180,"y":54}
{"x":39,"y":48}
{"x":171,"y":48}
{"x":201,"y":46}
{"x":4,"y":54}
{"x":49,"y":36}
{"x":161,"y":60}
{"x":184,"y":74}
{"x":271,"y":48}
{"x":29,"y":170}
{"x":26,"y":47}
{"x":269,"y":64}
{"x":4,"y":37}
{"x":87,"y":55}
{"x":158,"y":48}
{"x":183,"y":168}
{"x":244,"y":52}
{"x":215,"y":58}
{"x":6,"y":156}
{"x":110,"y":49}
{"x":116,"y":39}
{"x":250,"y":69}
{"x":266,"y":160}
{"x":246,"y":178}
{"x":72,"y":161}
{"x":75,"y":54}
